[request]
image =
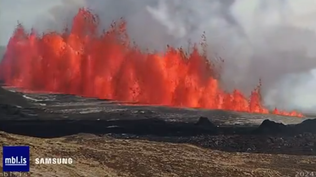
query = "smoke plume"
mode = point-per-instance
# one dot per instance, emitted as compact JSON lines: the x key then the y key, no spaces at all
{"x":269,"y":39}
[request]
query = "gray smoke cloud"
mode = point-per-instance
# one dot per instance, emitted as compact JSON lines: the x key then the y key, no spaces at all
{"x":273,"y":40}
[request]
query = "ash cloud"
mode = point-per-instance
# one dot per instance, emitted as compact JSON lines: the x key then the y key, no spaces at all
{"x":269,"y":39}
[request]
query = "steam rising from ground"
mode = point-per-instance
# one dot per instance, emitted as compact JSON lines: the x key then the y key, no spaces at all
{"x":270,"y":39}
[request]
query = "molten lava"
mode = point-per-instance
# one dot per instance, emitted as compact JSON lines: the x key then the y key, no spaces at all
{"x":81,"y":61}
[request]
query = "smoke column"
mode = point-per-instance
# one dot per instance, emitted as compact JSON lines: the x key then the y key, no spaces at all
{"x":269,"y":39}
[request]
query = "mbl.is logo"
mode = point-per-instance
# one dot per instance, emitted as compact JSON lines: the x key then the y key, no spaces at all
{"x":16,"y":159}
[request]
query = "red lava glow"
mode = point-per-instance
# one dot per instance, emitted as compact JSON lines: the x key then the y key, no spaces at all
{"x":80,"y":61}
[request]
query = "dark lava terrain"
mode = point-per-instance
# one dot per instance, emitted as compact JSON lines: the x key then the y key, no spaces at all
{"x":57,"y":115}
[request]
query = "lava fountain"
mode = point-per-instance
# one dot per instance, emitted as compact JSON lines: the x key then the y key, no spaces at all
{"x":84,"y":62}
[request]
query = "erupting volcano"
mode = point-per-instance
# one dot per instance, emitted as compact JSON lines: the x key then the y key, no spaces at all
{"x":84,"y":62}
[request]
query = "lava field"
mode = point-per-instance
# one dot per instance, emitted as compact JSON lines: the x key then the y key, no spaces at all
{"x":56,"y":115}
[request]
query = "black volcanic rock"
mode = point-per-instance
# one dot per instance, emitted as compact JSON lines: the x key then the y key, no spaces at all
{"x":205,"y":122}
{"x":14,"y":106}
{"x":150,"y":123}
{"x":271,"y":127}
{"x":13,"y":98}
{"x":308,"y":125}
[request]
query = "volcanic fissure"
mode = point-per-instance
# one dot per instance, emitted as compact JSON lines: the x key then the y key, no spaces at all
{"x":83,"y":62}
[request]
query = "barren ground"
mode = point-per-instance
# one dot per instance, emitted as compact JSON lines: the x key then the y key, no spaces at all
{"x":106,"y":156}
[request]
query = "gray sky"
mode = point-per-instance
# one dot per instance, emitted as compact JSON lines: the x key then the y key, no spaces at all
{"x":24,"y":11}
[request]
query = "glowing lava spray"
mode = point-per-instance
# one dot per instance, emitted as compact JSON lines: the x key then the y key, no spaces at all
{"x":83,"y":62}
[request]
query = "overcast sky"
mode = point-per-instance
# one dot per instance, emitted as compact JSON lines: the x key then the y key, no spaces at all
{"x":25,"y":11}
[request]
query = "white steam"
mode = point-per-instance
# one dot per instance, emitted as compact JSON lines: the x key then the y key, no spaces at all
{"x":270,"y":39}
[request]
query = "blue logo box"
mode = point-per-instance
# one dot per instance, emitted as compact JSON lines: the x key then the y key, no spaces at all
{"x":16,"y":158}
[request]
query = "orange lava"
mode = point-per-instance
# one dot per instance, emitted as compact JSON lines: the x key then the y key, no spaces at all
{"x":80,"y":61}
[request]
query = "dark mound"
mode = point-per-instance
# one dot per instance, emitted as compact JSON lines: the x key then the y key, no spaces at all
{"x":205,"y":122}
{"x":307,"y":126}
{"x":271,"y":127}
{"x":13,"y":98}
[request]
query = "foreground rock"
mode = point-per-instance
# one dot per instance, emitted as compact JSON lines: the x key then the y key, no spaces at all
{"x":106,"y":156}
